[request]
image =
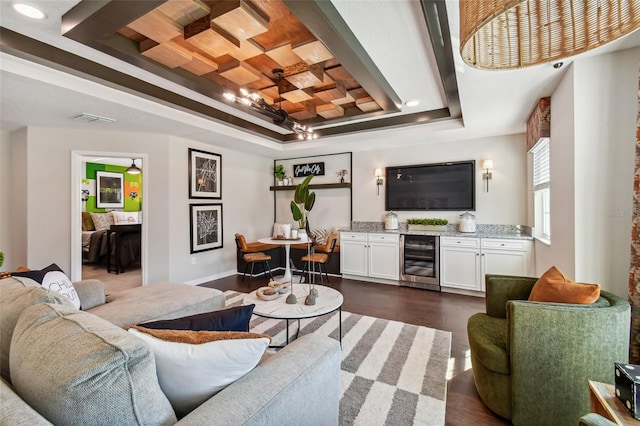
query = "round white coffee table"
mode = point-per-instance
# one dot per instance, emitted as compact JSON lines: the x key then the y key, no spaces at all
{"x":328,"y":300}
{"x":287,"y":244}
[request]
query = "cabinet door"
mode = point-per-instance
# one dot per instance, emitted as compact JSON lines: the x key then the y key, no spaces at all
{"x":460,"y":268}
{"x":505,"y":262}
{"x":353,"y":257}
{"x":384,"y":260}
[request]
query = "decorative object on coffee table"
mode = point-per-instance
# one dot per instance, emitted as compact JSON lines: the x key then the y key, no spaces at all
{"x":267,"y":293}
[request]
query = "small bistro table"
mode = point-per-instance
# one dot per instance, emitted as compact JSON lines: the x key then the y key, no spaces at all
{"x":287,"y":248}
{"x":328,"y":300}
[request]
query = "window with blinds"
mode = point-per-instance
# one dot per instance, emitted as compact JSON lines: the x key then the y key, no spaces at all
{"x":541,"y":190}
{"x":541,"y":176}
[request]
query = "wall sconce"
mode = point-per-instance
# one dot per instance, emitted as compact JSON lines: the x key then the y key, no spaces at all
{"x":487,"y":165}
{"x":379,"y":180}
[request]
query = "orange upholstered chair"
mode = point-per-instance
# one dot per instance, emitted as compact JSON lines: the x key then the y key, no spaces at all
{"x":320,"y":255}
{"x":252,"y":257}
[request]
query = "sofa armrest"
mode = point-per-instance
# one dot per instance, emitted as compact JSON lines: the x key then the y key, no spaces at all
{"x":554,"y":346}
{"x":299,"y":385}
{"x":502,"y":288}
{"x":15,"y":411}
{"x":91,"y":293}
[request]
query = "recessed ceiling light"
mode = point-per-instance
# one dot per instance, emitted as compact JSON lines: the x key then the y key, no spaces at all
{"x":412,"y":103}
{"x":29,"y":11}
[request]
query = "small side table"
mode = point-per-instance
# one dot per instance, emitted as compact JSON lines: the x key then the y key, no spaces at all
{"x":118,"y":230}
{"x":603,"y":401}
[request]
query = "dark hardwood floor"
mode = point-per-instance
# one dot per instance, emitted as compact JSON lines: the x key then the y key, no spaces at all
{"x":444,"y":311}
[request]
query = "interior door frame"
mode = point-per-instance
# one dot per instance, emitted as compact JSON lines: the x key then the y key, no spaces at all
{"x":77,"y":157}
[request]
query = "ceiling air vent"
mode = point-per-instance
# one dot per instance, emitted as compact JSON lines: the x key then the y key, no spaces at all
{"x":90,"y":118}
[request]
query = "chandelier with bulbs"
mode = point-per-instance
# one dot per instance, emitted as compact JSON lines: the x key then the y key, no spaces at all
{"x":279,"y":116}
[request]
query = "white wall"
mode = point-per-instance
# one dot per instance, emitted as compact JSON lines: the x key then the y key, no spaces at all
{"x":45,"y":187}
{"x":593,"y":119}
{"x":505,"y":203}
{"x":561,"y":252}
{"x":247,"y":208}
{"x":333,"y":206}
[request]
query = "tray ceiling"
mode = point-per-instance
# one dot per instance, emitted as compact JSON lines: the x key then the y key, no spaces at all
{"x":214,"y":47}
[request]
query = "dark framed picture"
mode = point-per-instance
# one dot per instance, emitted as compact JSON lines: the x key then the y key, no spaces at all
{"x":205,"y":174}
{"x":110,"y":190}
{"x":206,"y":227}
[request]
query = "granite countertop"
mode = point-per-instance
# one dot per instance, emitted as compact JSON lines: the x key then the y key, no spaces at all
{"x":511,"y":232}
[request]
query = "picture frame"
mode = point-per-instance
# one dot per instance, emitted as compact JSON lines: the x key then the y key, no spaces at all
{"x":109,"y":190}
{"x":205,"y":174}
{"x":205,"y":227}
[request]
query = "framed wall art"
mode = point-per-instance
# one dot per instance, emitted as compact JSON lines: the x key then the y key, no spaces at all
{"x":206,"y":227}
{"x":205,"y":174}
{"x":110,"y":190}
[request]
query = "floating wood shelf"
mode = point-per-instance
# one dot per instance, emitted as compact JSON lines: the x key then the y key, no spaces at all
{"x":316,"y":186}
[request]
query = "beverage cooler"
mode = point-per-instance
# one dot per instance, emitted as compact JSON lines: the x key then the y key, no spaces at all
{"x":419,"y":261}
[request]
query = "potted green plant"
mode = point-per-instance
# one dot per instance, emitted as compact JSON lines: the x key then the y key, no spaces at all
{"x":302,"y":203}
{"x":279,"y":173}
{"x":427,"y":224}
{"x":1,"y":259}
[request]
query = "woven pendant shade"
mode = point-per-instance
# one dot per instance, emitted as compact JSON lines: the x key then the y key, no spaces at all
{"x":507,"y":34}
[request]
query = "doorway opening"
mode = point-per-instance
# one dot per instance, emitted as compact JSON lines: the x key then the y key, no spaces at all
{"x":108,"y":227}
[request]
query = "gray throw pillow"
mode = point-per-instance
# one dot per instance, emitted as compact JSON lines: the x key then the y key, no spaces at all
{"x":15,"y":296}
{"x":76,"y":368}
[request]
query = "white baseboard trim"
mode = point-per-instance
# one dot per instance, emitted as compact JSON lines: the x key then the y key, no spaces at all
{"x":208,"y":278}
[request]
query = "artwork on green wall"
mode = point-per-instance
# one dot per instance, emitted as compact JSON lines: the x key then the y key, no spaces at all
{"x":110,"y":190}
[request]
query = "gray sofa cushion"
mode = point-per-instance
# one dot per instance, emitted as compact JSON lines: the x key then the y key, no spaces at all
{"x":15,"y":296}
{"x":158,"y":301}
{"x":75,"y":368}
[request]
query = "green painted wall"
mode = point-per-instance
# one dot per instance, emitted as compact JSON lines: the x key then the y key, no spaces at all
{"x":132,"y":184}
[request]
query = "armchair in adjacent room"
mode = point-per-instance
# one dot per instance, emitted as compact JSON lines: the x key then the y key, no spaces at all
{"x":532,"y":360}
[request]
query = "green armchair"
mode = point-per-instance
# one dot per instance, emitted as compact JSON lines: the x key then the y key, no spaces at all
{"x":531,"y":360}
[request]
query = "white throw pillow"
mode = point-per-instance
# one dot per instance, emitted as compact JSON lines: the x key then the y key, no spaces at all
{"x":279,"y":229}
{"x":190,"y":373}
{"x":52,"y":278}
{"x":125,"y":218}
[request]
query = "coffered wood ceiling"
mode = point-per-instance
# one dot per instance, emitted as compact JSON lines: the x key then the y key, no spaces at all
{"x":215,"y":47}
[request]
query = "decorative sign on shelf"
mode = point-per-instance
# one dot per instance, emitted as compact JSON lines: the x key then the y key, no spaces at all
{"x":316,"y":169}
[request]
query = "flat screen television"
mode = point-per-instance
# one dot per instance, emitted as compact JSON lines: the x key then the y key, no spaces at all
{"x":442,"y":186}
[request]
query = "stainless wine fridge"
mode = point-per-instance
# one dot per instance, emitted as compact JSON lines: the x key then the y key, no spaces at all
{"x":419,"y":261}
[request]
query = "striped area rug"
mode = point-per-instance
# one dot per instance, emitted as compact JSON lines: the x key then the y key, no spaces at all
{"x":392,"y":373}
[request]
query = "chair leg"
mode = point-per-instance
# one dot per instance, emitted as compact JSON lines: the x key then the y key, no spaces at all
{"x":245,"y":271}
{"x":325,"y":272}
{"x":320,"y":272}
{"x":304,"y":271}
{"x":251,"y":275}
{"x":268,"y":270}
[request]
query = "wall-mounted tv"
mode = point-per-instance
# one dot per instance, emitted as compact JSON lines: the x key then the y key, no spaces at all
{"x":442,"y":186}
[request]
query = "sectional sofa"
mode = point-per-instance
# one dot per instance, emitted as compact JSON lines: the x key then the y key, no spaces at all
{"x":64,"y":365}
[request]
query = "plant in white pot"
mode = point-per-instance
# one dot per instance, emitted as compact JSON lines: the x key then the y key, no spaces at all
{"x":279,"y":173}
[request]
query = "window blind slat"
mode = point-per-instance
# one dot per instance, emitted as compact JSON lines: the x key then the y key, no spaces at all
{"x":541,"y":169}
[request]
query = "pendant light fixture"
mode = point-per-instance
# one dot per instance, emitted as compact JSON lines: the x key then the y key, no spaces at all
{"x":279,"y":116}
{"x":133,"y":169}
{"x":509,"y":34}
